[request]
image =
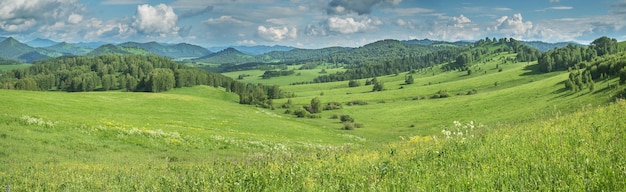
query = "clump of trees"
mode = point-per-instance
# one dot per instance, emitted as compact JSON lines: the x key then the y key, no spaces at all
{"x":128,"y":73}
{"x":354,"y":83}
{"x":572,"y":55}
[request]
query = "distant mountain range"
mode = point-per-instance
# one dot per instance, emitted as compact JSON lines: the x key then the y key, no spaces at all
{"x":39,"y":48}
{"x":181,"y":50}
{"x":255,"y":50}
{"x":39,"y":42}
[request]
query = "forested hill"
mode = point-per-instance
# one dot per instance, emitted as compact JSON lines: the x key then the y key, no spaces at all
{"x":180,"y":50}
{"x":128,"y":73}
{"x":414,"y":59}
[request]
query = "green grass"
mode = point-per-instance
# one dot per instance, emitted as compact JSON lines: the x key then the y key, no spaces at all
{"x":298,"y":76}
{"x":11,"y":67}
{"x":530,"y":134}
{"x":582,"y":151}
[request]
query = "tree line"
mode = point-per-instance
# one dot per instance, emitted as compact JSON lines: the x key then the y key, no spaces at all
{"x":572,"y":55}
{"x":136,"y":73}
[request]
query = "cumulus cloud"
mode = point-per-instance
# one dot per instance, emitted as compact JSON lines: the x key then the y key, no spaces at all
{"x":460,"y":21}
{"x":514,"y":26}
{"x":157,"y":20}
{"x":28,"y":15}
{"x":357,"y":6}
{"x":74,"y":18}
{"x":347,"y":25}
{"x":277,"y":33}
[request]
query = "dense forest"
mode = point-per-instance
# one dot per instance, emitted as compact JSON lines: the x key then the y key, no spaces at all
{"x":572,"y":55}
{"x":128,"y":73}
{"x":456,"y":57}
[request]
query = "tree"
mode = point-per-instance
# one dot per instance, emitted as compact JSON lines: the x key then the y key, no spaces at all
{"x":161,"y":80}
{"x":316,"y":105}
{"x":409,"y":79}
{"x":354,"y":83}
{"x":379,"y":86}
{"x":605,"y":45}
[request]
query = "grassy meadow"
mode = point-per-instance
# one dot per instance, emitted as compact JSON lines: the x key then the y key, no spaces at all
{"x":519,"y":131}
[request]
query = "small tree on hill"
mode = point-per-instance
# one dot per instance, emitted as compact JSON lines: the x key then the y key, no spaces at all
{"x":354,"y":83}
{"x":409,"y":79}
{"x":316,"y":105}
{"x":379,"y":86}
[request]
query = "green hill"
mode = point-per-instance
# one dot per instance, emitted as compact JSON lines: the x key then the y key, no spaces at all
{"x":226,"y":56}
{"x":118,"y":50}
{"x":182,"y":50}
{"x":494,"y":122}
{"x":15,"y":50}
{"x":69,"y":49}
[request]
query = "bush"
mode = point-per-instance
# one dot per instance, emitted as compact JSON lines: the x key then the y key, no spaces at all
{"x":473,"y":91}
{"x":357,"y":102}
{"x":288,"y":111}
{"x":354,"y":83}
{"x":346,"y":118}
{"x":333,"y":106}
{"x":348,"y":126}
{"x":441,"y":94}
{"x":359,"y":125}
{"x":301,"y":113}
{"x":335,"y":116}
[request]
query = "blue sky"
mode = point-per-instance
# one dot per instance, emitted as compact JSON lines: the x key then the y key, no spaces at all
{"x":309,"y":23}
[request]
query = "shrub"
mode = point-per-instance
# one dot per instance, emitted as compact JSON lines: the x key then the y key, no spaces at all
{"x":441,"y":94}
{"x":357,"y":102}
{"x":333,"y":106}
{"x":348,"y":126}
{"x":301,"y":113}
{"x":354,"y":83}
{"x":334,"y":116}
{"x":288,"y":111}
{"x":346,"y":118}
{"x":359,"y":125}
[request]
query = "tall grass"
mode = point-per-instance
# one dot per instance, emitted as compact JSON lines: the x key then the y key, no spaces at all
{"x":583,"y":151}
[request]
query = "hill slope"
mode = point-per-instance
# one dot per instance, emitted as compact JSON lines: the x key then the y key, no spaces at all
{"x":69,"y":49}
{"x":174,"y":51}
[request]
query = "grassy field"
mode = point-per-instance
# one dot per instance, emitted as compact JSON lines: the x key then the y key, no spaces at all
{"x":299,"y":76}
{"x":582,"y":151}
{"x":11,"y":67}
{"x":520,"y":131}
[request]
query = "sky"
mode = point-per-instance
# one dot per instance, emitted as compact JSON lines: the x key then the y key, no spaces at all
{"x":309,"y":23}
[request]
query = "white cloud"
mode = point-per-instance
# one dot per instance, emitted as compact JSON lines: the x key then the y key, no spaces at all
{"x":562,"y":8}
{"x":502,"y":9}
{"x":348,"y":25}
{"x":28,"y":15}
{"x":460,"y":21}
{"x":226,"y":19}
{"x":514,"y":26}
{"x":246,"y":42}
{"x":277,"y":33}
{"x":409,"y":11}
{"x":74,"y":18}
{"x":157,"y":20}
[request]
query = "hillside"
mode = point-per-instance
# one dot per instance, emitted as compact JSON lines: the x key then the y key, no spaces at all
{"x":118,"y":50}
{"x":543,"y":46}
{"x":182,"y":50}
{"x":69,"y":49}
{"x":476,"y":124}
{"x":255,"y":50}
{"x":15,"y":50}
{"x":226,"y":56}
{"x":39,"y":42}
